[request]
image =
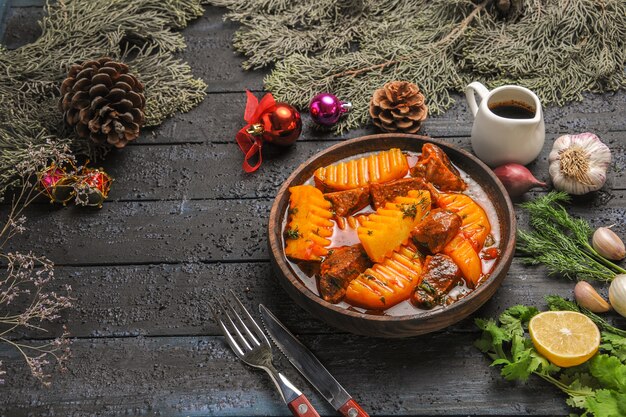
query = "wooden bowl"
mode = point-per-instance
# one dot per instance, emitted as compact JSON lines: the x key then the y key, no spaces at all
{"x":392,"y":326}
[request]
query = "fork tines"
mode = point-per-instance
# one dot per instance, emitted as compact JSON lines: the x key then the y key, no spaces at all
{"x":241,"y":331}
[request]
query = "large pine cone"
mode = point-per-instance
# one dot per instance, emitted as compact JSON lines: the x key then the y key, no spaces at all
{"x":103,"y":102}
{"x":398,"y":107}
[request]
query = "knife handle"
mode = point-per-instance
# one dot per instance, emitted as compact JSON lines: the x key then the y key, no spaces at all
{"x":301,"y":407}
{"x":352,"y":409}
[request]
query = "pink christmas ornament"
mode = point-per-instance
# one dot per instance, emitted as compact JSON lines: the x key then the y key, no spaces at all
{"x":326,"y":109}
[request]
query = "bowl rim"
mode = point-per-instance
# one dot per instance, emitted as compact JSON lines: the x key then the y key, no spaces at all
{"x":285,"y":269}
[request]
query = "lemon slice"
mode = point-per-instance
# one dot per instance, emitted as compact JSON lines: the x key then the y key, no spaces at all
{"x":566,"y":338}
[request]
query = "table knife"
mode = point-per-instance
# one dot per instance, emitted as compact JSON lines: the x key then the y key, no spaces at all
{"x":309,"y":366}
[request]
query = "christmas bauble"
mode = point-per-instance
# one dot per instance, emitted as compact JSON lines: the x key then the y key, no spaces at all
{"x":280,"y":124}
{"x":93,"y":187}
{"x":268,"y":121}
{"x":56,"y":184}
{"x":326,"y":109}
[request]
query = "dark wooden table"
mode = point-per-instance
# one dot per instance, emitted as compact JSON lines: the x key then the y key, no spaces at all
{"x":184,"y":221}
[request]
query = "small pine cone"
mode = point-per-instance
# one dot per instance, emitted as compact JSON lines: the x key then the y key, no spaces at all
{"x":103,"y":102}
{"x":398,"y":107}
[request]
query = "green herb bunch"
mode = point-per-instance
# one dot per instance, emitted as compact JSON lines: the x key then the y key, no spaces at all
{"x":597,"y":387}
{"x":561,"y":242}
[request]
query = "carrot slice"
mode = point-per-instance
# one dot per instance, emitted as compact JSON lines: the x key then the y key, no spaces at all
{"x":376,"y":168}
{"x":475,"y":224}
{"x":387,"y":283}
{"x":462,"y":252}
{"x":308,"y":224}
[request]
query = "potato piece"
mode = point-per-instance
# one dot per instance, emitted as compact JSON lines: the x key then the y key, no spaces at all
{"x":376,"y":168}
{"x":387,"y":283}
{"x":308,"y":224}
{"x":389,"y":227}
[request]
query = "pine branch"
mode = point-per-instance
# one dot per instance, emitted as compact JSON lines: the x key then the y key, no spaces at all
{"x":139,"y":32}
{"x":353,"y":47}
{"x":450,"y":37}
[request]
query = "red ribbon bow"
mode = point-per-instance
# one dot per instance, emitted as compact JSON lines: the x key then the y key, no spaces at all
{"x":251,"y":144}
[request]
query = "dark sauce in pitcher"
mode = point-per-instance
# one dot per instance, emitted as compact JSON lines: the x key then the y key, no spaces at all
{"x":512,"y":110}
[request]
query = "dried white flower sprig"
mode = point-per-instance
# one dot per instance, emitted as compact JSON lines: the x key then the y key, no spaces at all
{"x":25,"y":300}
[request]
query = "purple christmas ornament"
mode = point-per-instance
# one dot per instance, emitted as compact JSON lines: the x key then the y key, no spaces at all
{"x":326,"y":109}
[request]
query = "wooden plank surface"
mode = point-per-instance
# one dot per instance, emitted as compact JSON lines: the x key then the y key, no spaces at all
{"x":172,"y":299}
{"x":198,"y":376}
{"x":148,"y":232}
{"x":197,"y":171}
{"x":184,"y":222}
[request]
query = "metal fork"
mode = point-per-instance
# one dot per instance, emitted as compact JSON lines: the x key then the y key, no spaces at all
{"x":250,"y":344}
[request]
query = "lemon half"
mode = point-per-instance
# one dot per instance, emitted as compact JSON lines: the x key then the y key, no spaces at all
{"x":565,"y":338}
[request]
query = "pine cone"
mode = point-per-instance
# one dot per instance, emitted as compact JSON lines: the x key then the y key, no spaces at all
{"x":103,"y":102}
{"x":398,"y":107}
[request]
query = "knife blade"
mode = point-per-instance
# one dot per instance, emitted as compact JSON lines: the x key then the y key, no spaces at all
{"x":309,"y":366}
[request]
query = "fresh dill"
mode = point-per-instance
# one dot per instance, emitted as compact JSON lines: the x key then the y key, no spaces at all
{"x":556,"y":303}
{"x":561,"y":242}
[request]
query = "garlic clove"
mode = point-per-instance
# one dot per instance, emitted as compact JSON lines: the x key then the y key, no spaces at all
{"x":608,"y":244}
{"x":586,"y":296}
{"x":617,"y":294}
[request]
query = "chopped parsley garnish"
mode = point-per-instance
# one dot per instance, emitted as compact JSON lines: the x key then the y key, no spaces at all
{"x":427,"y":287}
{"x":292,"y":234}
{"x":370,"y":232}
{"x":595,"y":388}
{"x":409,"y":210}
{"x":292,"y":211}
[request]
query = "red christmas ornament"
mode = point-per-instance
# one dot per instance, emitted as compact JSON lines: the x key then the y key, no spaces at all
{"x":93,"y":187}
{"x":277,"y":123}
{"x":56,"y":184}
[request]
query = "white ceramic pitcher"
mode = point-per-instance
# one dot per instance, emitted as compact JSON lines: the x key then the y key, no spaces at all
{"x":498,"y":140}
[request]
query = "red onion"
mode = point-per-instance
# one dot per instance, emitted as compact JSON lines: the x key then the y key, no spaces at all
{"x":517,"y":179}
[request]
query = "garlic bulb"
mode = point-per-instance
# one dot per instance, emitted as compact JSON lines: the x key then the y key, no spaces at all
{"x":608,"y":244}
{"x":578,"y":163}
{"x":586,"y":296}
{"x":617,"y":294}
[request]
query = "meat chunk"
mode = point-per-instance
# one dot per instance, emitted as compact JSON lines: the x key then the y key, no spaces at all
{"x":437,"y":229}
{"x":440,"y":275}
{"x":382,"y":193}
{"x":343,"y":265}
{"x":349,"y":201}
{"x":434,"y":166}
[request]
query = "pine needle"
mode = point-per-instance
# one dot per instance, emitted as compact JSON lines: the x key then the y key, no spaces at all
{"x":139,"y":32}
{"x":353,"y":47}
